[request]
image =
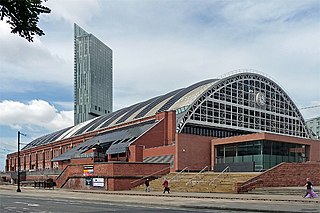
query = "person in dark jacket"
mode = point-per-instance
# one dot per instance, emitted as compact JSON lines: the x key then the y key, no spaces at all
{"x":310,"y":193}
{"x":147,"y":183}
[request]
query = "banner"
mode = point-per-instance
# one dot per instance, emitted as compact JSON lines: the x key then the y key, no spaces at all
{"x":88,"y":170}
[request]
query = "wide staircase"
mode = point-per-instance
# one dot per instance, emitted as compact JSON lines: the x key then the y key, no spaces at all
{"x":200,"y":182}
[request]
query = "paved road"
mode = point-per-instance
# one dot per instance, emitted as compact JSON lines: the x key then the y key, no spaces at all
{"x":18,"y":203}
{"x":134,"y":201}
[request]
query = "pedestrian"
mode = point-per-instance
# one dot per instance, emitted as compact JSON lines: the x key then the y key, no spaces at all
{"x":147,"y":183}
{"x":165,"y":185}
{"x":310,"y":192}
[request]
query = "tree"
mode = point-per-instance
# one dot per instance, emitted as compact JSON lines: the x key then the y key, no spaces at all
{"x":23,"y":16}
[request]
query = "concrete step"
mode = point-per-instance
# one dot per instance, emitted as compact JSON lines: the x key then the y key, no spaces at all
{"x":200,"y":182}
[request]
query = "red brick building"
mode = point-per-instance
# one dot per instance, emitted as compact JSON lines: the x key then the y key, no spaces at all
{"x":244,"y":120}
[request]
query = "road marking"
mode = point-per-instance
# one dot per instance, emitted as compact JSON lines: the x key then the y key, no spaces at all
{"x":10,"y":207}
{"x":28,"y":204}
{"x":33,"y":204}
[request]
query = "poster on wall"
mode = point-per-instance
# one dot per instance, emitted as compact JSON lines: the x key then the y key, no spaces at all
{"x":88,"y":181}
{"x":88,"y":170}
{"x":98,"y":182}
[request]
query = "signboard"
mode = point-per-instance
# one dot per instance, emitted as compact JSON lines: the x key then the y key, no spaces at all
{"x":88,"y":170}
{"x":89,"y":181}
{"x":98,"y":182}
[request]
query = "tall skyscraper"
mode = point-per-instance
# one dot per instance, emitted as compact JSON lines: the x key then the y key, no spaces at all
{"x":93,"y":85}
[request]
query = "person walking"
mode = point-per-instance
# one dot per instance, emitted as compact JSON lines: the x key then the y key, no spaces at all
{"x":310,"y":193}
{"x":147,"y":183}
{"x":165,"y":185}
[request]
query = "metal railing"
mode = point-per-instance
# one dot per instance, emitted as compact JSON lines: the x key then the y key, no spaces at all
{"x":150,"y":175}
{"x":62,"y":172}
{"x":224,"y":171}
{"x":44,"y":172}
{"x":177,"y":175}
{"x":199,"y":176}
{"x":63,"y":176}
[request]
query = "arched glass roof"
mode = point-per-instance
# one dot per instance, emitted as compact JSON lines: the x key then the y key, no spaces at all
{"x":244,"y":101}
{"x":247,"y":102}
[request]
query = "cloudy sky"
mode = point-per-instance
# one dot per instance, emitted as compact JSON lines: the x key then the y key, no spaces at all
{"x":189,"y":41}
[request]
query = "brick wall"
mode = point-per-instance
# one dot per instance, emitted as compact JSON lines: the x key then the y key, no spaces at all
{"x":159,"y":151}
{"x":50,"y":150}
{"x":193,"y":151}
{"x":283,"y":175}
{"x":40,"y":177}
{"x":161,"y":134}
{"x":154,"y":137}
{"x":136,"y":153}
{"x":117,"y":175}
{"x":169,"y":126}
{"x":82,"y":160}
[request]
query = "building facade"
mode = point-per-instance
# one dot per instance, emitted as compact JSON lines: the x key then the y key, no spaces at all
{"x":93,"y":84}
{"x":314,"y":126}
{"x":243,"y":120}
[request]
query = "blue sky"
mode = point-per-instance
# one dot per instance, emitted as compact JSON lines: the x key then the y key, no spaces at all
{"x":187,"y":40}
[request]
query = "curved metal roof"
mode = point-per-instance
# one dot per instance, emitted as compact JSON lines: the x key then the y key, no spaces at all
{"x":277,"y":114}
{"x":167,"y":102}
{"x":185,"y":101}
{"x":114,"y":141}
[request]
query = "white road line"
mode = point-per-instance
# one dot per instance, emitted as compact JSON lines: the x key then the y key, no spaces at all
{"x":28,"y":204}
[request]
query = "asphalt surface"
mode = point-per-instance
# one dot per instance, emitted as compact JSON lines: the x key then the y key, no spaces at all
{"x":153,"y":201}
{"x":18,"y":203}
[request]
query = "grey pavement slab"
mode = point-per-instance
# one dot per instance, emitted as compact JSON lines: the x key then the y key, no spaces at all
{"x":200,"y":201}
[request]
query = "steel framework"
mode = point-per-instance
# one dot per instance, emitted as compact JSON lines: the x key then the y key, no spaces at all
{"x":247,"y":102}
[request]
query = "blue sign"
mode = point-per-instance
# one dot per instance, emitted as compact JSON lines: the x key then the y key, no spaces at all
{"x":89,"y":181}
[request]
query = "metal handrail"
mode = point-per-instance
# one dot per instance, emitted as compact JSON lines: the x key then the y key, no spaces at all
{"x":44,"y":172}
{"x":62,"y":172}
{"x":149,"y":175}
{"x":194,"y":178}
{"x":227,"y":169}
{"x":179,"y":173}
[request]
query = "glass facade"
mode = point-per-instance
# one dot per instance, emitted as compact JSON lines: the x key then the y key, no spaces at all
{"x":93,"y":84}
{"x":249,"y":103}
{"x":264,"y":153}
{"x":212,"y":132}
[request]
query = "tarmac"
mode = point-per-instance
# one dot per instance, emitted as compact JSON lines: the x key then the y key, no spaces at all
{"x":196,"y":201}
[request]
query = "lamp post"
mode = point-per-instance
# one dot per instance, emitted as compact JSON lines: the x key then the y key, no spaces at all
{"x":19,"y":165}
{"x":19,"y":190}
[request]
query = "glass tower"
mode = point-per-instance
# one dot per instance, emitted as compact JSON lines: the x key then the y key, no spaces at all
{"x":92,"y":76}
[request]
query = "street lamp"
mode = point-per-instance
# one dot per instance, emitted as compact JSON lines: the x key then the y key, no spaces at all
{"x":19,"y":166}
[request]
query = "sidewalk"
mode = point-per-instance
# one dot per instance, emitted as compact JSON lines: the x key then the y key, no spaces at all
{"x":218,"y":201}
{"x":228,"y":196}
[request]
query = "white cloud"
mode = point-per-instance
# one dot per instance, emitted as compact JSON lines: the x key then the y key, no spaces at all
{"x":65,"y":105}
{"x":78,"y":11}
{"x":311,"y":111}
{"x":160,"y":46}
{"x":29,"y":62}
{"x":34,"y":114}
{"x":264,"y":15}
{"x":165,"y":45}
